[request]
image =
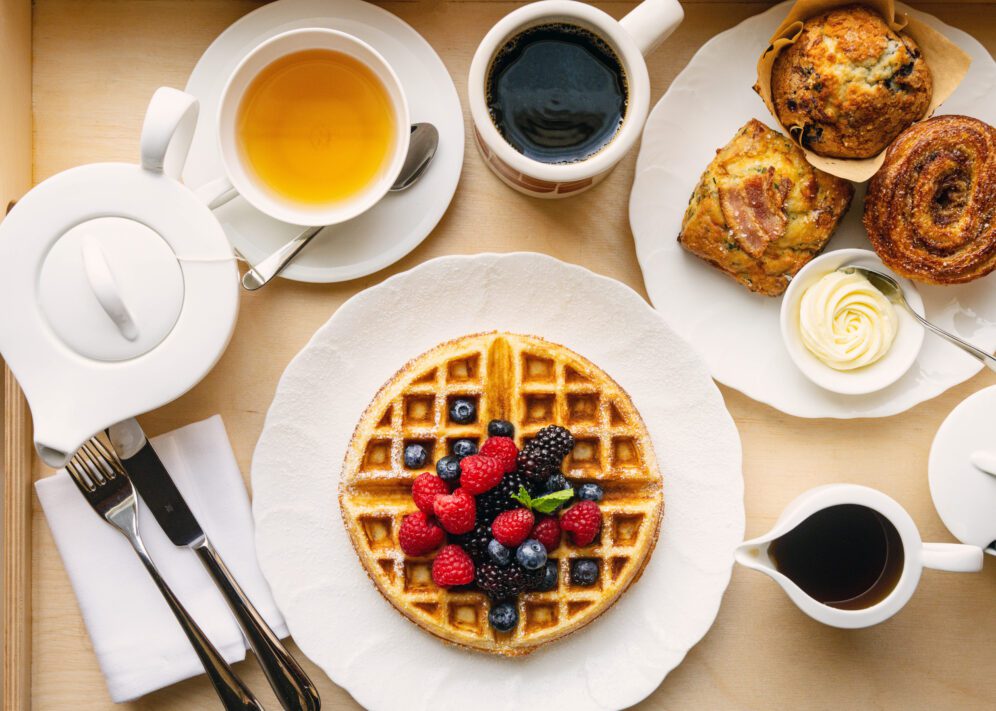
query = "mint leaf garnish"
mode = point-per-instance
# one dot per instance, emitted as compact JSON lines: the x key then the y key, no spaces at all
{"x":545,"y":504}
{"x":523,"y":497}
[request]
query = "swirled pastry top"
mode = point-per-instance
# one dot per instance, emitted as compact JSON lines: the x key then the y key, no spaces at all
{"x":760,"y":212}
{"x":849,"y":85}
{"x":846,"y":322}
{"x":930,"y":211}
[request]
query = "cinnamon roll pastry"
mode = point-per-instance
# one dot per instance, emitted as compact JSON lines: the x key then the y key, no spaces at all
{"x":930,"y":211}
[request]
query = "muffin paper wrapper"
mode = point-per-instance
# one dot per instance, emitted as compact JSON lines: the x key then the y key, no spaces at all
{"x":947,"y":62}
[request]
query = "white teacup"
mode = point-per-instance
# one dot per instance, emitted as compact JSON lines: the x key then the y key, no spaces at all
{"x":917,"y":555}
{"x":631,"y":38}
{"x":240,"y":179}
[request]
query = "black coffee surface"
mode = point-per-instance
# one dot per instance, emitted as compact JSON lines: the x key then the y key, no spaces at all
{"x":557,"y":93}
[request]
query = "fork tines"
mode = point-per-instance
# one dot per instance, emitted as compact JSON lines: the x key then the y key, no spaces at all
{"x":94,"y":465}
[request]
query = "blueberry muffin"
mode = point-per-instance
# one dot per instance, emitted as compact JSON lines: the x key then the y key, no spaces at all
{"x":849,"y":84}
{"x":760,"y":211}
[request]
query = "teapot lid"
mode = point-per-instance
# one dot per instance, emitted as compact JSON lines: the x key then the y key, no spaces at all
{"x":119,"y":287}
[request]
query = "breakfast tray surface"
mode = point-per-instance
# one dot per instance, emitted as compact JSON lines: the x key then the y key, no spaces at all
{"x":83,"y":72}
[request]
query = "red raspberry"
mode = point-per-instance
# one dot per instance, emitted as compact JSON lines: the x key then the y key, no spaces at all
{"x":452,"y":567}
{"x":426,"y":488}
{"x":547,"y":532}
{"x":504,"y":450}
{"x":582,"y":520}
{"x":512,"y":527}
{"x":479,"y":473}
{"x":418,"y":535}
{"x":457,"y":512}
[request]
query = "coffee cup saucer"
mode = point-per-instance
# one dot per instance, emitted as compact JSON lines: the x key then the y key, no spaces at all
{"x":400,"y":221}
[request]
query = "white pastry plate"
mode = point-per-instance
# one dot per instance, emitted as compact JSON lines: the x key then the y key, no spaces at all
{"x":398,"y":223}
{"x":337,"y":616}
{"x":735,"y":331}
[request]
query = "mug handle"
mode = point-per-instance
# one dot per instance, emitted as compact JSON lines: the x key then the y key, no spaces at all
{"x":168,"y":130}
{"x":952,"y":557}
{"x":652,"y":21}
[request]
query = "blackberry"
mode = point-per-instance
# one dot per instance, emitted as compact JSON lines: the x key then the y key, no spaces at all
{"x":499,"y":499}
{"x":502,"y":583}
{"x":558,"y":440}
{"x":537,"y":462}
{"x":475,"y":542}
{"x":547,"y":578}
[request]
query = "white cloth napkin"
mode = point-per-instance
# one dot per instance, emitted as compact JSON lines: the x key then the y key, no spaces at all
{"x":139,"y":644}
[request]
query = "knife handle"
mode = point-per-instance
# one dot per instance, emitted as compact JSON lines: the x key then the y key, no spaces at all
{"x":293,"y":688}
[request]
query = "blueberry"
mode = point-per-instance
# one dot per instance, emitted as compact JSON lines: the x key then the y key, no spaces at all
{"x":503,"y":616}
{"x":464,"y":448}
{"x":549,"y":580}
{"x":584,"y":572}
{"x":557,"y":482}
{"x":415,"y":456}
{"x":448,"y":469}
{"x":500,"y":428}
{"x":590,"y":492}
{"x":499,"y":554}
{"x":463,"y":411}
{"x":531,"y":555}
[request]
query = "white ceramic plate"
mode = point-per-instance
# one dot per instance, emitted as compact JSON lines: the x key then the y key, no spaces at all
{"x":736,"y":332}
{"x":335,"y":613}
{"x":398,"y":223}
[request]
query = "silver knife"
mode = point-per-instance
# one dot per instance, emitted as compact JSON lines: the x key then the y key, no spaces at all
{"x":292,"y":686}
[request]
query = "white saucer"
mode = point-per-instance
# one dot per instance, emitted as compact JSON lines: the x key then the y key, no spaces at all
{"x":964,"y":496}
{"x":396,"y":225}
{"x":335,"y":613}
{"x":736,"y":332}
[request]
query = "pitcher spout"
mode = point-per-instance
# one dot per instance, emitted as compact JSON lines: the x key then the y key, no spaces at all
{"x":754,"y":554}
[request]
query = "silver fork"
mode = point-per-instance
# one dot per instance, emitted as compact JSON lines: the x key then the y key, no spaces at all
{"x":102,"y":480}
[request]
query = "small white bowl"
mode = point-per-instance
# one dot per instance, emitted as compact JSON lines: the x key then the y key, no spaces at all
{"x":880,"y":374}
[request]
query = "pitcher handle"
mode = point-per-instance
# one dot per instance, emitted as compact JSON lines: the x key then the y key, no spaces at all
{"x":168,"y":130}
{"x":953,"y":557}
{"x":652,"y":21}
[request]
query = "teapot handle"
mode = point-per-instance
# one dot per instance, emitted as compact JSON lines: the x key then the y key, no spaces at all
{"x":168,"y":130}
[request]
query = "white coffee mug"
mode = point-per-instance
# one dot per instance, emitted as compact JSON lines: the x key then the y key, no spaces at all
{"x":240,"y":178}
{"x":917,"y":555}
{"x":631,"y":38}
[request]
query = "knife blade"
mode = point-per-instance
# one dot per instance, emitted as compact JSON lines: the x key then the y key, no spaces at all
{"x":292,"y":686}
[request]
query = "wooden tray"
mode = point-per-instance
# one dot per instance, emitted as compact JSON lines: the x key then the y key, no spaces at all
{"x":85,"y":70}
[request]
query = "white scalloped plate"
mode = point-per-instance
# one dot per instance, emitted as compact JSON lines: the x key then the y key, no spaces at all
{"x":335,"y":613}
{"x":736,"y":332}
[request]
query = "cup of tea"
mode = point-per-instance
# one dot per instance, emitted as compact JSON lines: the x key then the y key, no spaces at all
{"x":313,"y":128}
{"x":850,"y":556}
{"x":559,"y":91}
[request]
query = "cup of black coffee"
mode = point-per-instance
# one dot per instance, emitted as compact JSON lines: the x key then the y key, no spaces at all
{"x":559,"y":92}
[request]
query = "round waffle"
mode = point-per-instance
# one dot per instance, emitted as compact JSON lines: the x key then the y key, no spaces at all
{"x":531,"y":383}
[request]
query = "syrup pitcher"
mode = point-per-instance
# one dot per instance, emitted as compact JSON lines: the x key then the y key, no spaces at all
{"x":850,"y":556}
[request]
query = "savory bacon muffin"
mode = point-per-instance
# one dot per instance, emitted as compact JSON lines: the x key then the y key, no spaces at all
{"x":760,"y":211}
{"x":849,"y":84}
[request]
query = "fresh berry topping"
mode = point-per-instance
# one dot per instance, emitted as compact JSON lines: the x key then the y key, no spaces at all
{"x":547,"y":532}
{"x":504,"y":450}
{"x":590,"y":492}
{"x":503,"y":616}
{"x":479,"y":473}
{"x":499,"y":554}
{"x":557,"y":482}
{"x":548,"y":580}
{"x":499,"y":499}
{"x":584,"y":572}
{"x":448,"y":469}
{"x":463,"y":411}
{"x":415,"y":456}
{"x":452,"y":567}
{"x":557,"y":439}
{"x":500,"y":428}
{"x":475,"y":542}
{"x":537,"y":463}
{"x":531,"y":555}
{"x":512,"y":527}
{"x":464,"y":448}
{"x":426,"y":488}
{"x":582,"y":520}
{"x":456,"y":512}
{"x":500,"y":583}
{"x":418,"y":535}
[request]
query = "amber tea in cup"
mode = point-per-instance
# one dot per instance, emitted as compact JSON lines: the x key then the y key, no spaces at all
{"x":316,"y":127}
